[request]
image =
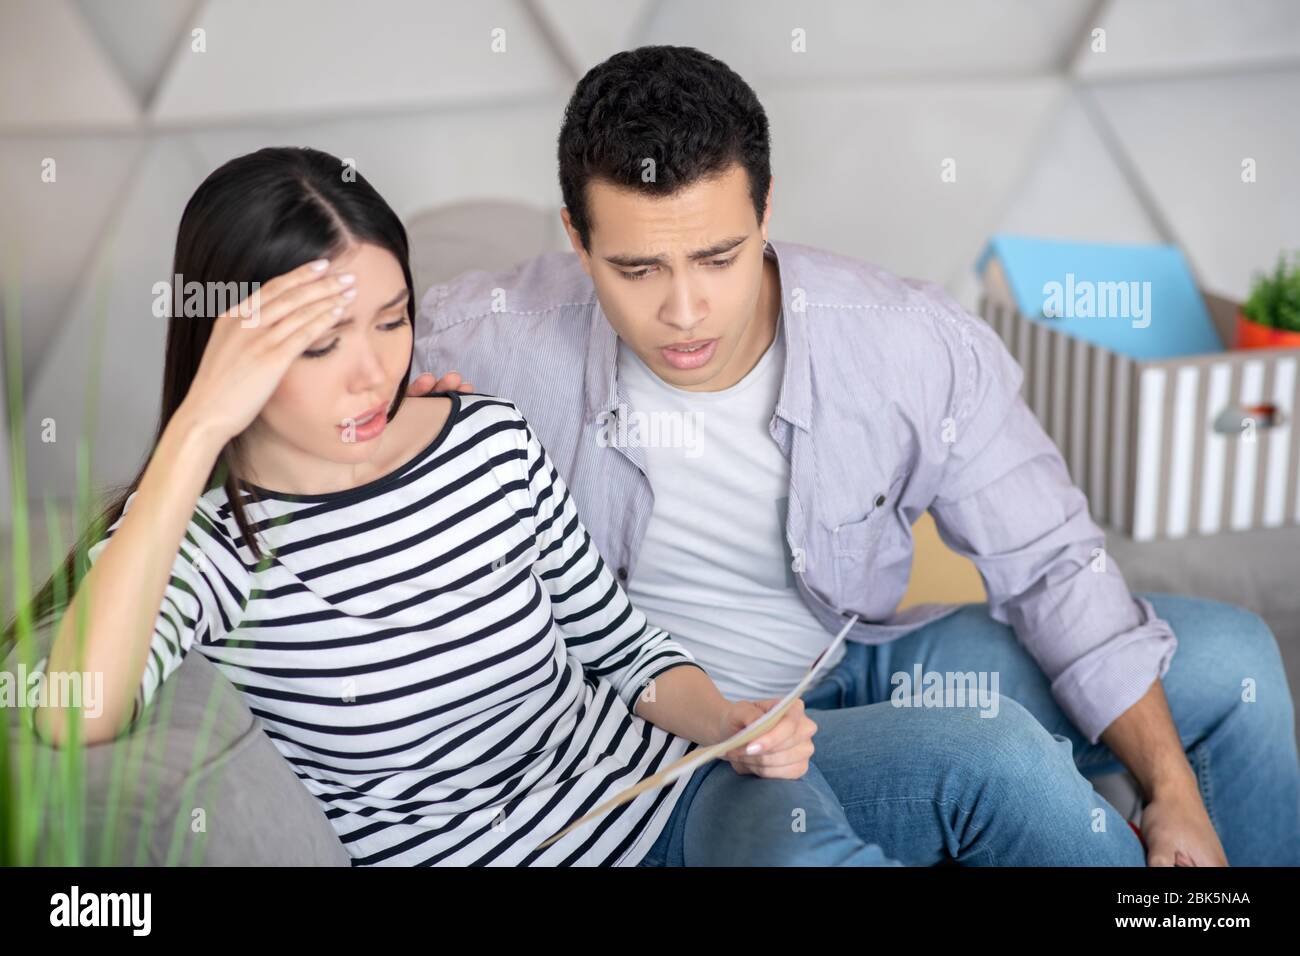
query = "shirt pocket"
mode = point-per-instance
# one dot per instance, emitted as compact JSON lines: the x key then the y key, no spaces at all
{"x":854,"y":538}
{"x":853,"y":545}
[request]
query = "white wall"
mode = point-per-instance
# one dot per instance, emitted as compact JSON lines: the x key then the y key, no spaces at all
{"x":1142,"y":142}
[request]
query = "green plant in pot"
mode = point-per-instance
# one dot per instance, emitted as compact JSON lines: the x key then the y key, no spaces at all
{"x":1270,"y":317}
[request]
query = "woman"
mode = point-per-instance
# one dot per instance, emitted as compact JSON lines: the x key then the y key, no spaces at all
{"x":403,"y":591}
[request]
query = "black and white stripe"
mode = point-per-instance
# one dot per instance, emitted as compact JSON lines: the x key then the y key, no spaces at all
{"x":440,"y":654}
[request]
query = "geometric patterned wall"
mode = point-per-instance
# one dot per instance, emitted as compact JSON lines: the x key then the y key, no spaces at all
{"x":1141,"y":142}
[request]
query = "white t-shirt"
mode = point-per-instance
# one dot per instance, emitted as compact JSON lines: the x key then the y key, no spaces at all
{"x":715,"y":569}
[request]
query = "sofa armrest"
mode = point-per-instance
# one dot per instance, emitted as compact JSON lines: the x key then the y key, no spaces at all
{"x":196,"y":782}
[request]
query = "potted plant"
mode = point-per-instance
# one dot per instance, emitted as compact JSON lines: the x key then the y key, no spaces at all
{"x":1271,"y":316}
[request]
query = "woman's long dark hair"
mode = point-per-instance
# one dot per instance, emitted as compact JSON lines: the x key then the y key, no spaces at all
{"x":255,"y":217}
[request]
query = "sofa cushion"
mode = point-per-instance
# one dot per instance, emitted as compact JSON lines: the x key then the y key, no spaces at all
{"x":196,"y":782}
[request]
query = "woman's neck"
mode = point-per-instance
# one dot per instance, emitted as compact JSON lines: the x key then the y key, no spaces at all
{"x":271,"y":462}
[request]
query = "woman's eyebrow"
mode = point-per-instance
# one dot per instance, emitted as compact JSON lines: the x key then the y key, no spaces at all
{"x":400,"y":297}
{"x":395,"y":300}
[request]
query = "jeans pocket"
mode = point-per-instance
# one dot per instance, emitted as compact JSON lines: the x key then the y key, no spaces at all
{"x":829,"y":693}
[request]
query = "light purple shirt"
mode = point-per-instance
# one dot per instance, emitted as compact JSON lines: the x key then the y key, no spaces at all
{"x":894,"y":400}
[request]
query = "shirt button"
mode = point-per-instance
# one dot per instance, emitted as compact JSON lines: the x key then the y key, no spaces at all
{"x":880,"y":500}
{"x":622,"y":574}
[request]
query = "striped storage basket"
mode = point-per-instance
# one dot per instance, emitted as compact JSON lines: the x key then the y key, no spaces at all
{"x":1172,"y":447}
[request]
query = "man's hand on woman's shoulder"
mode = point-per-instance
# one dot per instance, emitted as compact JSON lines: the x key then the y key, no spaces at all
{"x":425,"y":383}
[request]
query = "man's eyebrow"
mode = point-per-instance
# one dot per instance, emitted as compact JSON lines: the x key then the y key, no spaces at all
{"x":717,"y":249}
{"x":395,"y":300}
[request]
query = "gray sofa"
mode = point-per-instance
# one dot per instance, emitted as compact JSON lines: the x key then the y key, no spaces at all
{"x":197,"y":782}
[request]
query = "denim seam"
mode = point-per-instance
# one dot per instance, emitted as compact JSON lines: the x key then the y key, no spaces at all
{"x":843,"y":698}
{"x":931,"y":800}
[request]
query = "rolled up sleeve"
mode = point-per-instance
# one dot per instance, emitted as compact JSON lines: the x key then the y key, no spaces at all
{"x":1006,"y":501}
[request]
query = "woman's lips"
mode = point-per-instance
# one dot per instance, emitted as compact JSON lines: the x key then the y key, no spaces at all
{"x":370,"y":424}
{"x":690,"y":355}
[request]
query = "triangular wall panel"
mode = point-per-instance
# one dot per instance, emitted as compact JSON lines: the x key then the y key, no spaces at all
{"x":342,"y":60}
{"x":118,"y":291}
{"x":1188,"y":140}
{"x":53,"y":73}
{"x":921,"y":40}
{"x":1184,"y":37}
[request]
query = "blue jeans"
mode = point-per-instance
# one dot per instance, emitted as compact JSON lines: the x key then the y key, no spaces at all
{"x":724,"y":818}
{"x":889,"y":787}
{"x":1243,"y":752}
{"x":924,"y":785}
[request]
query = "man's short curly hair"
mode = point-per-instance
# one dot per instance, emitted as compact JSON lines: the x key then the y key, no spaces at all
{"x":679,"y":107}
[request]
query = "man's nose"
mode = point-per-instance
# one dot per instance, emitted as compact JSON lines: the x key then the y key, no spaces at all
{"x":684,"y":309}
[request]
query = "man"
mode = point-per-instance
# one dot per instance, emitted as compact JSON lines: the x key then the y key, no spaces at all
{"x":750,"y":430}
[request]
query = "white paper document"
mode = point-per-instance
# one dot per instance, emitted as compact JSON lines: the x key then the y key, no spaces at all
{"x":704,"y":754}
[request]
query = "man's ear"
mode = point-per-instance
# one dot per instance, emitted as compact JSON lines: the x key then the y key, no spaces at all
{"x":575,"y":240}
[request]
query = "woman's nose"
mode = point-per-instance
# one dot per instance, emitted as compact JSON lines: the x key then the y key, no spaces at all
{"x":369,"y":370}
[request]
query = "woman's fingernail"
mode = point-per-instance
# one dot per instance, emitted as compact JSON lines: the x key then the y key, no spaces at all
{"x":349,"y":293}
{"x":753,"y":748}
{"x":320,"y":265}
{"x":347,"y":278}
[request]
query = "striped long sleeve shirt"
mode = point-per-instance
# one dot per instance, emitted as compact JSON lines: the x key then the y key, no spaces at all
{"x":440,"y":654}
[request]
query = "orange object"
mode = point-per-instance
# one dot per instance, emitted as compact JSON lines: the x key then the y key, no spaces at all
{"x":939,"y":574}
{"x":1252,"y":335}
